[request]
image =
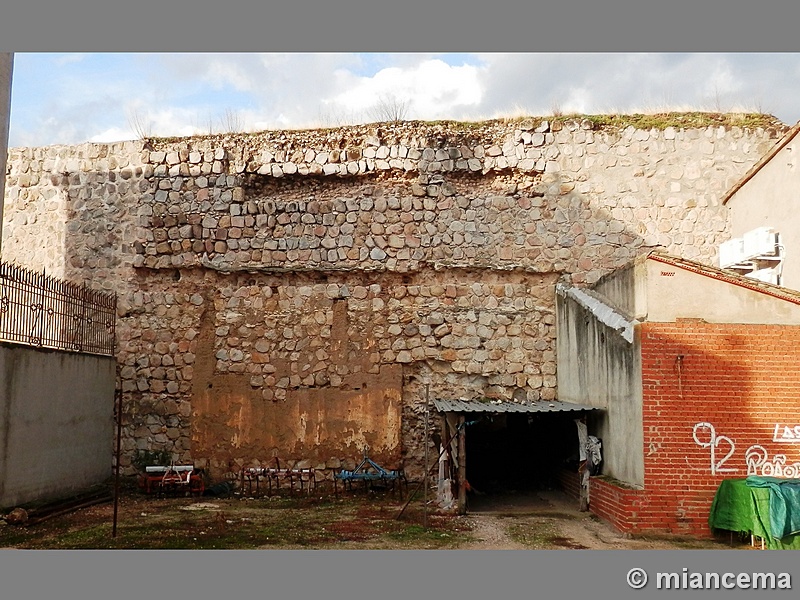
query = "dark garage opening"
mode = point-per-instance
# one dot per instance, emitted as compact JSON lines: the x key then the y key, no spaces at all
{"x":520,"y":452}
{"x":510,"y":449}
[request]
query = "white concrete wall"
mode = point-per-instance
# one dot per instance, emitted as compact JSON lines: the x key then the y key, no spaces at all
{"x":771,"y":198}
{"x":650,"y":290}
{"x":673,"y":293}
{"x":598,"y":367}
{"x":56,"y":423}
{"x":624,"y":290}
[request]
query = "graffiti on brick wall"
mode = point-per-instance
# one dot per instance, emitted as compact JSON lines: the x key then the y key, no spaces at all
{"x":759,"y":463}
{"x":786,"y":434}
{"x":722,"y":448}
{"x":705,"y":436}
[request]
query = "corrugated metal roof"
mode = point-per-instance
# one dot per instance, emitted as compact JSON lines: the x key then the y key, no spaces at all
{"x":489,"y":406}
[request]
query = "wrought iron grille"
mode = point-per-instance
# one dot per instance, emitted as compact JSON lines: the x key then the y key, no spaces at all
{"x":43,"y":311}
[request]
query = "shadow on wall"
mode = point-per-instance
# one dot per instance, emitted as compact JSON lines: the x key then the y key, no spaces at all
{"x":709,"y":413}
{"x":485,"y":230}
{"x":498,"y":221}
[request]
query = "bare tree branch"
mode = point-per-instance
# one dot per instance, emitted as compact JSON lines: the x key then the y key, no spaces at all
{"x":231,"y":121}
{"x":389,"y":109}
{"x":139,"y":121}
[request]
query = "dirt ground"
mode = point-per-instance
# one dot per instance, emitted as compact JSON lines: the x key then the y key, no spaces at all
{"x":551,"y":520}
{"x":357,"y":520}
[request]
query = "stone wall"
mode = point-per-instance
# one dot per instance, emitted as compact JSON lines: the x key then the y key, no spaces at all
{"x":6,"y":69}
{"x":301,"y":273}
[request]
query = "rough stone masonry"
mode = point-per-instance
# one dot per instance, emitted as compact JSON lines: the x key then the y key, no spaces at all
{"x":297,"y":294}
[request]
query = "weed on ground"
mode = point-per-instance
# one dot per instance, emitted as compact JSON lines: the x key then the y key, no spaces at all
{"x":357,"y":520}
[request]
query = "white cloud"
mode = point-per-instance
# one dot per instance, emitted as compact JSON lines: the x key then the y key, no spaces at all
{"x":113,"y":134}
{"x":598,"y":83}
{"x":87,"y":96}
{"x":221,"y":73}
{"x":65,"y":59}
{"x":432,"y":89}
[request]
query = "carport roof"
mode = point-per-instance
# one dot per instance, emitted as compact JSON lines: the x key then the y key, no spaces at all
{"x":499,"y":406}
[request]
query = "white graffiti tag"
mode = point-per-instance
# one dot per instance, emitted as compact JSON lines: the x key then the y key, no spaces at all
{"x":757,"y":459}
{"x":713,"y":442}
{"x":786,"y":434}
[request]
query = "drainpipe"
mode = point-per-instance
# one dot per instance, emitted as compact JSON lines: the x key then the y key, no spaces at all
{"x":6,"y":67}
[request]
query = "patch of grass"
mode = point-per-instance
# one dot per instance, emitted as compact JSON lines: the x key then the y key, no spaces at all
{"x":616,"y":482}
{"x":550,"y":514}
{"x":470,"y":132}
{"x":147,"y":522}
{"x":13,"y":537}
{"x":536,"y":534}
{"x":687,"y":120}
{"x":417,"y":536}
{"x":682,"y":542}
{"x":147,"y":458}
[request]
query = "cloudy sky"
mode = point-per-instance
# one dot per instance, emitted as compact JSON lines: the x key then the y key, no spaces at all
{"x":72,"y":98}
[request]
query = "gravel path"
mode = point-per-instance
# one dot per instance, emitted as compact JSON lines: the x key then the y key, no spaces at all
{"x":549,"y":519}
{"x":490,"y":534}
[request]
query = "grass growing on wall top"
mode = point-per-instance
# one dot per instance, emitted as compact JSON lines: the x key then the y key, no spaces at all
{"x":687,"y":120}
{"x":490,"y":129}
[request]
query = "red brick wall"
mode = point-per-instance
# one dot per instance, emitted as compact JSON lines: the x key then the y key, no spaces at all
{"x":614,"y":503}
{"x":570,"y":483}
{"x":740,"y":380}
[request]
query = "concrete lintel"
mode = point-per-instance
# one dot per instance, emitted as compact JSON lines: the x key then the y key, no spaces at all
{"x":606,"y":314}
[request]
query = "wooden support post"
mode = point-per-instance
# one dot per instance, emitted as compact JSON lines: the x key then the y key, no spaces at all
{"x":427,"y":468}
{"x":462,"y":466}
{"x":444,"y":448}
{"x":118,"y":394}
{"x":583,"y":485}
{"x":583,"y":477}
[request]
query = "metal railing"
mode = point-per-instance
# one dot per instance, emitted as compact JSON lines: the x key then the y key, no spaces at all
{"x":46,"y":312}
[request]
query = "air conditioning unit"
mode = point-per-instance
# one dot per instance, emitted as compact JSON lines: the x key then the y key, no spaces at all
{"x":765,"y":275}
{"x":758,"y":254}
{"x":731,"y":252}
{"x":762,"y":241}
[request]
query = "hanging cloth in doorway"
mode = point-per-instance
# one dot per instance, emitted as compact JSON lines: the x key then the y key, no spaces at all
{"x":582,"y":439}
{"x":445,"y":484}
{"x":595,"y":457}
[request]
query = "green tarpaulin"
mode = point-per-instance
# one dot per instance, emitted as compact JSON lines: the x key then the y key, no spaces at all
{"x":784,"y":503}
{"x":740,"y":507}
